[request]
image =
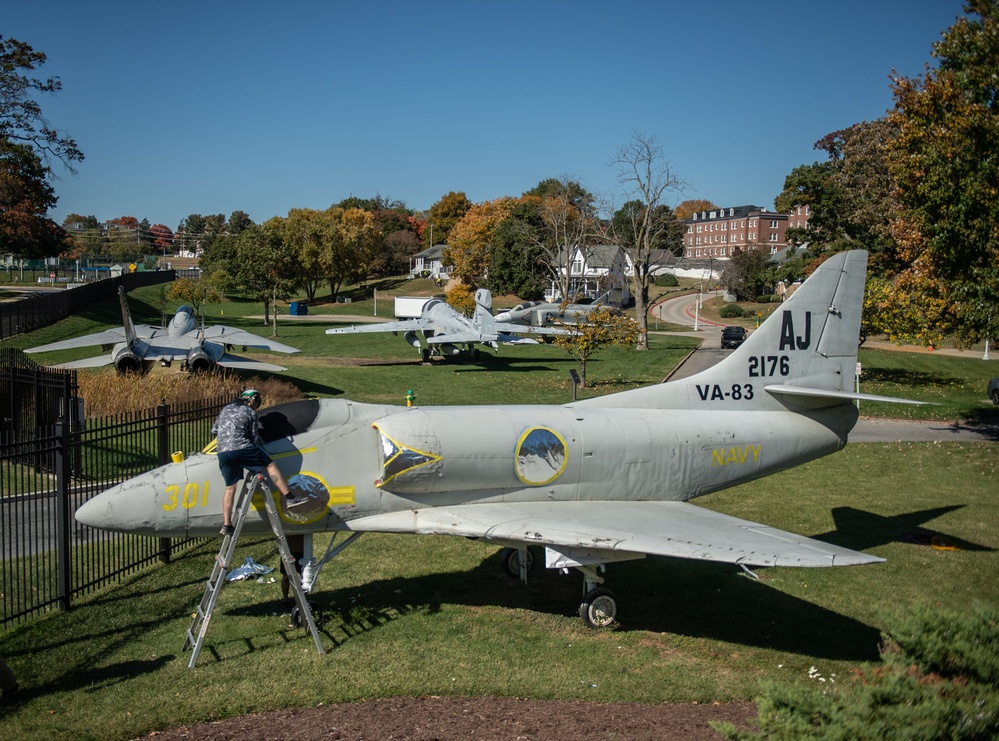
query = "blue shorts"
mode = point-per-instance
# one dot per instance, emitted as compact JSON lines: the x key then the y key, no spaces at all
{"x":233,"y":462}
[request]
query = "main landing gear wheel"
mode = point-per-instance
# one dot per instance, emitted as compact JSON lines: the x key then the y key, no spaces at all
{"x":296,"y":615}
{"x":598,"y":609}
{"x":510,"y":561}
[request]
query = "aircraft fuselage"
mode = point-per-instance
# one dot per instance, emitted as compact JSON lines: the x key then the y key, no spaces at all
{"x":357,"y":460}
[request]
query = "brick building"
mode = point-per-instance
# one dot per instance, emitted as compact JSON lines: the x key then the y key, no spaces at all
{"x":717,"y":232}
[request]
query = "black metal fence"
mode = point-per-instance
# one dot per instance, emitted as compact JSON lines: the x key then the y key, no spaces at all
{"x":48,"y":558}
{"x":32,"y":396}
{"x":40,"y":310}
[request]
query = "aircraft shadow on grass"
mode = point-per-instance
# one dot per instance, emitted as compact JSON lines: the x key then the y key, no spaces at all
{"x":686,"y":598}
{"x":860,"y":530}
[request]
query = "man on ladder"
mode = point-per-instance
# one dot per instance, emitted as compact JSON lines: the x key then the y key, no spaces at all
{"x":237,"y":430}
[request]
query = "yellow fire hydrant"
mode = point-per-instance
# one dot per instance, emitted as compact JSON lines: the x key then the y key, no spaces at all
{"x":410,"y":398}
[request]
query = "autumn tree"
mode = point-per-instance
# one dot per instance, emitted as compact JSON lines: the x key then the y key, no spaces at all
{"x":646,"y":177}
{"x":944,"y":161}
{"x":461,"y":298}
{"x":330,"y":247}
{"x":355,"y":238}
{"x":162,"y":238}
{"x":396,"y":242}
{"x":25,"y":198}
{"x":467,"y":250}
{"x":442,"y":217}
{"x":686,"y":209}
{"x":28,"y":145}
{"x":603,"y":326}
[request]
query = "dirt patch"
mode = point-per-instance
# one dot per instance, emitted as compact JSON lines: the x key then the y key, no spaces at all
{"x":428,"y":718}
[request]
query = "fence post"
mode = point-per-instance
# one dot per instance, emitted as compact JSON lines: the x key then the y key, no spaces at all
{"x":62,"y":513}
{"x":163,"y":454}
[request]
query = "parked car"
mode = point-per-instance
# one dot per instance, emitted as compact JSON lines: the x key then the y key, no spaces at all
{"x":994,"y":390}
{"x":733,"y":336}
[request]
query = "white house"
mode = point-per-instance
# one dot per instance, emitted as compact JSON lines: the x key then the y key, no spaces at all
{"x":600,"y":269}
{"x":430,"y":264}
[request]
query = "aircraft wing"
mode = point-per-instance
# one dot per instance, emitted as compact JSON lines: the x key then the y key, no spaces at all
{"x":95,"y":362}
{"x":232,"y":336}
{"x":406,"y":325}
{"x":676,"y":529}
{"x":228,"y":360}
{"x":107,"y":337}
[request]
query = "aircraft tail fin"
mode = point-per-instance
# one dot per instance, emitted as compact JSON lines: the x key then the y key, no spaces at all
{"x":131,"y":336}
{"x":484,"y":319}
{"x":804,"y":354}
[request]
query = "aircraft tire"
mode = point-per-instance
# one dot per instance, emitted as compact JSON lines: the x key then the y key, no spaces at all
{"x":599,"y":609}
{"x":296,"y":615}
{"x":510,"y":561}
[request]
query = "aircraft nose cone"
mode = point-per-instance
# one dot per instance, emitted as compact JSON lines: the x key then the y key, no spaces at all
{"x":123,"y":510}
{"x":95,"y":512}
{"x":133,"y":507}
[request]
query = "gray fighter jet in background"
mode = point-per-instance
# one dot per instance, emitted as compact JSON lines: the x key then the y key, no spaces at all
{"x":546,"y":314}
{"x":134,"y":347}
{"x":592,"y":482}
{"x":445,"y":329}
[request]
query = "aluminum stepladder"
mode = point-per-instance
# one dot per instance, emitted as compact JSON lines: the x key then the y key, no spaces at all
{"x":253,"y":483}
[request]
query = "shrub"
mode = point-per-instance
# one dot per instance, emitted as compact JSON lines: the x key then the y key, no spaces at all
{"x":767,"y":298}
{"x":106,"y":392}
{"x":666,"y":280}
{"x":937,"y":680}
{"x":731,"y":311}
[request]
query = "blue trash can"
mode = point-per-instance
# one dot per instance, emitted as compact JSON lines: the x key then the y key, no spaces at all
{"x":298,"y":308}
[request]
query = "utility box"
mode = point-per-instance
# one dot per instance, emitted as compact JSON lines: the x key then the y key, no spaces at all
{"x":298,"y":308}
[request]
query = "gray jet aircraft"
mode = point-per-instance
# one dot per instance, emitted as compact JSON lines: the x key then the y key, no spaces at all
{"x":134,"y":347}
{"x":545,"y":314}
{"x":592,"y":482}
{"x":444,"y":329}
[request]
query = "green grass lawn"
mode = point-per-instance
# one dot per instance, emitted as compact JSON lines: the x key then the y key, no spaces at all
{"x":418,"y":615}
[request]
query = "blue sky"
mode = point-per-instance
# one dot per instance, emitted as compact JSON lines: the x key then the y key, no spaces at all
{"x":210,"y":107}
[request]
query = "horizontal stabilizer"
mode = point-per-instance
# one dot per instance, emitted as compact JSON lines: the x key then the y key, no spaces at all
{"x":232,"y":336}
{"x":836,"y":397}
{"x":235,"y":361}
{"x":676,"y":529}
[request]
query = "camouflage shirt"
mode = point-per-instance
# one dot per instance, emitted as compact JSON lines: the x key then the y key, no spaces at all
{"x":236,"y":427}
